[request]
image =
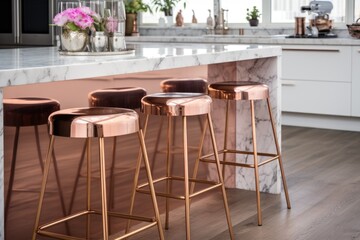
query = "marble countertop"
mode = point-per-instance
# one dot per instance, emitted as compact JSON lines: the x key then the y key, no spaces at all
{"x":37,"y":65}
{"x":249,"y":39}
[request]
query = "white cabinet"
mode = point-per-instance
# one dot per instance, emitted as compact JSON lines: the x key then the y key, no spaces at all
{"x":316,"y":97}
{"x":316,"y":79}
{"x":355,"y":94}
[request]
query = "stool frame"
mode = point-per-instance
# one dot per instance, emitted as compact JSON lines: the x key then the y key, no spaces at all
{"x":174,"y":85}
{"x":100,"y":102}
{"x":187,"y":180}
{"x":42,"y":229}
{"x":255,"y":153}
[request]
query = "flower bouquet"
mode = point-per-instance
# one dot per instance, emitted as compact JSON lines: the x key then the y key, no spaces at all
{"x":85,"y":30}
{"x":76,"y":24}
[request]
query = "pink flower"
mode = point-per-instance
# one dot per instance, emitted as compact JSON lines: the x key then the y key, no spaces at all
{"x":75,"y":18}
{"x":112,"y":24}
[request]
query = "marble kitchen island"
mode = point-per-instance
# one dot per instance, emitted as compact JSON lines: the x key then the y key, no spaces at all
{"x":29,"y":66}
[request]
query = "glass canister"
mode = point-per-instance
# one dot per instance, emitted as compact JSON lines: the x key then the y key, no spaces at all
{"x":115,"y":17}
{"x":98,"y":38}
{"x":65,"y":4}
{"x":95,"y":5}
{"x":61,"y":6}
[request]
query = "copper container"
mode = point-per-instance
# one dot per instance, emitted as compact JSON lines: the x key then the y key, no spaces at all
{"x":299,"y":26}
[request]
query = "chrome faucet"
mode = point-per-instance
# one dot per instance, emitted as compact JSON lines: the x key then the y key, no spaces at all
{"x":221,"y":22}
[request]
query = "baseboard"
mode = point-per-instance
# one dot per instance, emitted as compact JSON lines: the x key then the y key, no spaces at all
{"x":321,"y":121}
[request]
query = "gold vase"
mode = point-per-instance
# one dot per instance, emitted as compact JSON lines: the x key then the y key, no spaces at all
{"x":74,"y":41}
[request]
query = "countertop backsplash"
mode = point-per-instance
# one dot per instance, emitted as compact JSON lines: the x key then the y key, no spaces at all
{"x":200,"y":30}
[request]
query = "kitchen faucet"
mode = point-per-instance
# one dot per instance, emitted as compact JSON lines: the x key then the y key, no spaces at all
{"x":221,"y":22}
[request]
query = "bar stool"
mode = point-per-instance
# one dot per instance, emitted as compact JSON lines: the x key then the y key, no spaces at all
{"x":190,"y":85}
{"x":182,"y":105}
{"x":124,"y":97}
{"x":25,"y":112}
{"x":98,"y":123}
{"x":249,"y":91}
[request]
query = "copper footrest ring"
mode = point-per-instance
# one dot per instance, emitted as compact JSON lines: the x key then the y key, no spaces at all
{"x":207,"y":159}
{"x":41,"y":229}
{"x":179,"y":197}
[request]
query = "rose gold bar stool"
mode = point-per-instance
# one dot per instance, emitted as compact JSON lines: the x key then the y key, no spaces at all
{"x":190,"y":85}
{"x":249,"y":91}
{"x":125,"y":97}
{"x":182,"y":105}
{"x":28,"y":112}
{"x":98,"y":123}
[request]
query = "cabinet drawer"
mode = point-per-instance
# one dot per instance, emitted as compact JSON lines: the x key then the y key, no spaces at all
{"x":316,"y":97}
{"x":321,"y":63}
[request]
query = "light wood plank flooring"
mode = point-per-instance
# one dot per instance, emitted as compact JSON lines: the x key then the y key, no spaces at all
{"x":322,"y":168}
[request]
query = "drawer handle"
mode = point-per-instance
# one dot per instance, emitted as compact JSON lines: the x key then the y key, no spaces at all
{"x":287,"y":83}
{"x":311,"y":50}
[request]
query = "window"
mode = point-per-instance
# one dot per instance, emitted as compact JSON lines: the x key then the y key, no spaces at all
{"x":357,"y":10}
{"x":237,"y":9}
{"x":285,"y":11}
{"x":273,"y":11}
{"x":200,"y":8}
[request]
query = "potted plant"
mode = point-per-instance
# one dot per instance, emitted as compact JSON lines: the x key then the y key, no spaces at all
{"x":132,"y":8}
{"x":167,"y":6}
{"x":253,"y":16}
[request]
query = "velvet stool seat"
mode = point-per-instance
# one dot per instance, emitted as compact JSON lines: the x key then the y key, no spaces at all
{"x":28,"y":112}
{"x":250,"y":92}
{"x":95,"y":123}
{"x":182,"y":105}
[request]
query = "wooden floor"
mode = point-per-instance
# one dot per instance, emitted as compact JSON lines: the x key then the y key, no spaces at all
{"x":322,"y":168}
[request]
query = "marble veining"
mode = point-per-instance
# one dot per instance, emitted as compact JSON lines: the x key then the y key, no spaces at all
{"x":36,"y":65}
{"x":263,"y":70}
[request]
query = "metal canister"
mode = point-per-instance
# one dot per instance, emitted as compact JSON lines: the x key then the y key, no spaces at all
{"x":299,"y":26}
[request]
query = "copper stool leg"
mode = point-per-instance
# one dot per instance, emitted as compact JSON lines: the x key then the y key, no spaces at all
{"x":136,"y":178}
{"x":221,"y":179}
{"x":168,"y":170}
{"x":43,"y":186}
{"x":279,"y":154}
{"x":104,"y":211}
{"x":151,"y":185}
{"x":256,"y":163}
{"x":78,"y":175}
{"x":112,"y":175}
{"x":88,"y":184}
{"x":186,"y":177}
{"x":41,"y":163}
{"x":78,"y":172}
{"x":197,"y":161}
{"x":156,"y":147}
{"x":225,"y":136}
{"x":143,"y":154}
{"x":12,"y":172}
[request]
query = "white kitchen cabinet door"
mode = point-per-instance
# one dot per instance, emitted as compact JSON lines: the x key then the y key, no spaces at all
{"x":316,"y":63}
{"x":316,"y":97}
{"x":355,"y":94}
